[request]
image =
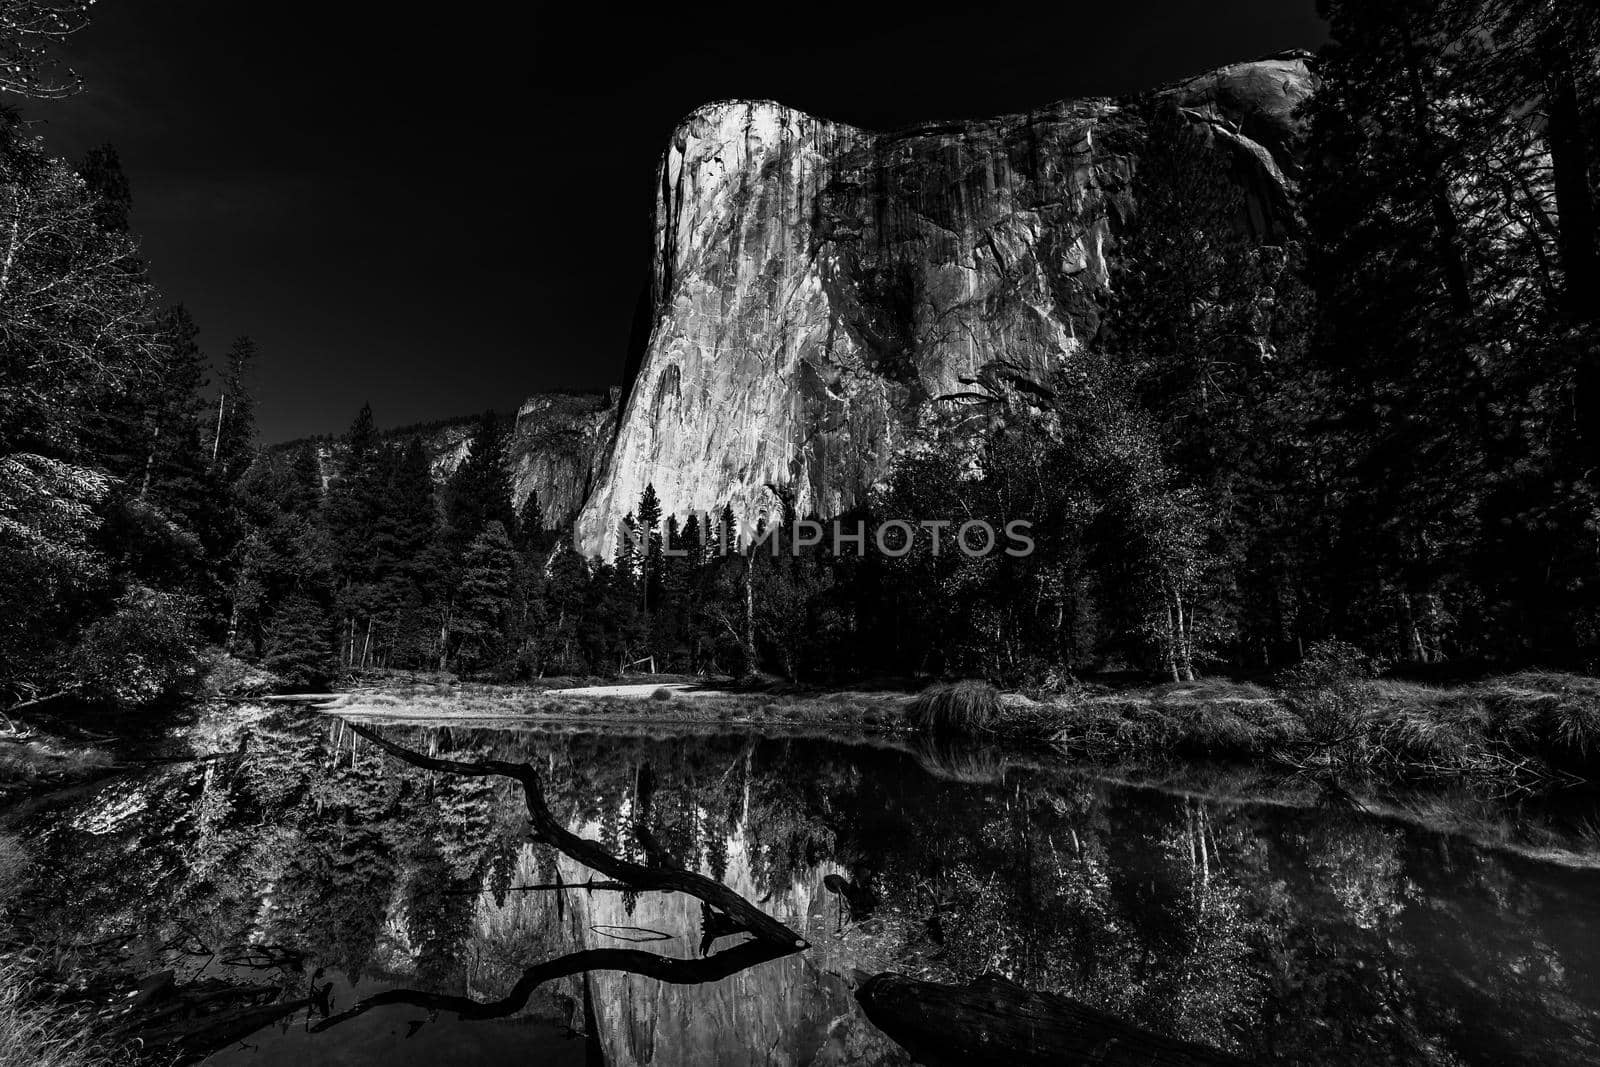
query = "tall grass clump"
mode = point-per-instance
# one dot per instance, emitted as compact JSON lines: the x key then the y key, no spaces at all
{"x":37,"y":1035}
{"x":1553,"y":716}
{"x":969,"y":707}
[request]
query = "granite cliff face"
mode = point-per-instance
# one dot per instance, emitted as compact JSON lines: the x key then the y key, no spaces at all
{"x":820,"y":290}
{"x":558,"y":443}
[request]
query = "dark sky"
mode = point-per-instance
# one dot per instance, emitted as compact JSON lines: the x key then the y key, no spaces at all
{"x":441,"y":215}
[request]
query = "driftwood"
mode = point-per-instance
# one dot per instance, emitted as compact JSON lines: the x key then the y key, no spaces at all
{"x":590,"y":853}
{"x":995,"y":1021}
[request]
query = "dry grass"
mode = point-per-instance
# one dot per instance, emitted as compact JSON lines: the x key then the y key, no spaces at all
{"x":14,"y":865}
{"x":968,"y":707}
{"x":1227,"y":724}
{"x":1334,"y":718}
{"x":1555,"y":716}
{"x":33,"y":1034}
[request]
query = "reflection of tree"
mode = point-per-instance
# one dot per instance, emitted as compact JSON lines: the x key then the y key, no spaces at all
{"x":1314,"y":937}
{"x":546,"y":828}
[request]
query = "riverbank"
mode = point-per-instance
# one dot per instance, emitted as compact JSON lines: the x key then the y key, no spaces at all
{"x":1538,"y":728}
{"x":1531,"y":726}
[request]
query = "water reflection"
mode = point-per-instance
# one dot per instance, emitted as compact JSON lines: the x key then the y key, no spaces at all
{"x":406,"y":911}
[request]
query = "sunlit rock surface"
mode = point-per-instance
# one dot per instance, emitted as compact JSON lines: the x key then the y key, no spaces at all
{"x":819,"y":289}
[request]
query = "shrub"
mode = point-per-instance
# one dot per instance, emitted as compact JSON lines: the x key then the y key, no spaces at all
{"x":968,"y":707}
{"x":661,"y":694}
{"x":142,"y":653}
{"x":228,"y":676}
{"x":1332,"y":690}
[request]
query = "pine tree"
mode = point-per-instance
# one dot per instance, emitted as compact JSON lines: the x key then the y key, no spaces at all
{"x":299,"y":643}
{"x":480,"y":490}
{"x":356,"y":502}
{"x":486,"y":596}
{"x":234,"y":430}
{"x":647,"y":528}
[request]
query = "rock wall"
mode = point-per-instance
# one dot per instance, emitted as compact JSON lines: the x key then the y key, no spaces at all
{"x":819,"y":289}
{"x":559,"y":442}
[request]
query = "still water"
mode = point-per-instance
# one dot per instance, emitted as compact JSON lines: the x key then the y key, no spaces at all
{"x":379,"y":912}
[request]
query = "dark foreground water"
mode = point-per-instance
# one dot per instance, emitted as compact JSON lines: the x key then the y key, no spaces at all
{"x":319,"y":873}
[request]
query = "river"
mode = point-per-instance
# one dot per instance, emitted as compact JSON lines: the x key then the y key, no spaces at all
{"x":380,"y":912}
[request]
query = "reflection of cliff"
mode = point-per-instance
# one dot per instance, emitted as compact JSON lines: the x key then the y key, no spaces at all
{"x":1295,"y":934}
{"x":795,"y":1010}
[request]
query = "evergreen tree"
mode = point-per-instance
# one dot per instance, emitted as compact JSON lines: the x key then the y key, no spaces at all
{"x":532,"y":537}
{"x":647,"y":528}
{"x":299,"y":642}
{"x":234,"y":430}
{"x":355,"y":505}
{"x":486,"y":595}
{"x":480,"y":490}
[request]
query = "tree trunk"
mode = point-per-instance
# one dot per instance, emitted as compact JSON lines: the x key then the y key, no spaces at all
{"x":216,"y":440}
{"x":149,"y":464}
{"x":1575,"y":211}
{"x":1447,"y":227}
{"x":750,"y":612}
{"x":1569,"y":160}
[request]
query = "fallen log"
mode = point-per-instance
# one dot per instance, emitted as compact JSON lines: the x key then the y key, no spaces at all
{"x":994,"y":1020}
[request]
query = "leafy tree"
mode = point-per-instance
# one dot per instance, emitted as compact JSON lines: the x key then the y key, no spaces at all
{"x":29,"y":29}
{"x":143,"y":653}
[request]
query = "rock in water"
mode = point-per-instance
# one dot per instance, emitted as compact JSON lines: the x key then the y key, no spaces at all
{"x":819,"y":290}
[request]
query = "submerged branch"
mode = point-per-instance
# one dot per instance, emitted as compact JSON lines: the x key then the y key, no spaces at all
{"x":630,"y":960}
{"x":592,"y":855}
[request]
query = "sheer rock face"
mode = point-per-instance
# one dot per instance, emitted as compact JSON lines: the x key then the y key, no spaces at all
{"x":558,"y":443}
{"x":820,"y":291}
